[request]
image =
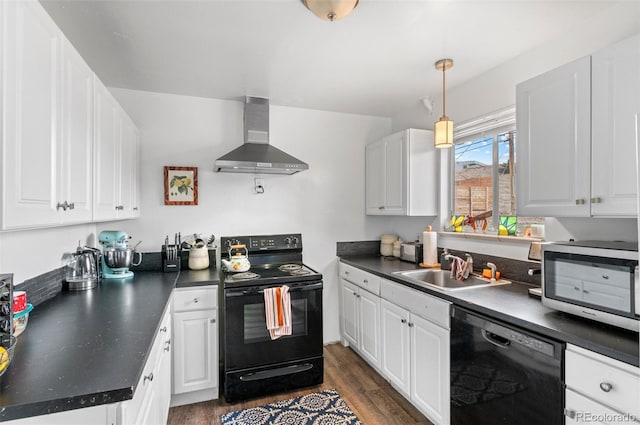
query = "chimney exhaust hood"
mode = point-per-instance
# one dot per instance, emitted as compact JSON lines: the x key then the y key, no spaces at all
{"x":256,"y":155}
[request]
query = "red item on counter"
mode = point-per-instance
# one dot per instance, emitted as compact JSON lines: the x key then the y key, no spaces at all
{"x":19,"y":301}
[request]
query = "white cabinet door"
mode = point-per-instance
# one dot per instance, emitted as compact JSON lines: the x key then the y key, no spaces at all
{"x":396,"y":353}
{"x":350,"y":313}
{"x":137,"y":175}
{"x":430,"y":369}
{"x":553,"y":114}
{"x":395,"y":170}
{"x":615,"y":105}
{"x":164,"y":371}
{"x":30,"y":115}
{"x":375,"y":178}
{"x":75,"y":154}
{"x":128,"y":162}
{"x":369,"y":327}
{"x":195,"y":364}
{"x":107,"y":154}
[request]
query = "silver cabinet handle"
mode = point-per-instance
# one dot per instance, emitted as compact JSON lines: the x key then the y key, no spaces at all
{"x":596,"y":200}
{"x":580,"y":202}
{"x":606,"y":387}
{"x":148,"y":377}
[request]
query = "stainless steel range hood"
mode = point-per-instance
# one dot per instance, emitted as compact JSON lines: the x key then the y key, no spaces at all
{"x":256,"y":155}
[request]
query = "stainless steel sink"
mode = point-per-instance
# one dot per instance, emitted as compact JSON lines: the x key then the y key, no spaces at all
{"x":441,"y":279}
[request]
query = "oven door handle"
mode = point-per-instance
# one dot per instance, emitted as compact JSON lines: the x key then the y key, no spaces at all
{"x":256,"y":291}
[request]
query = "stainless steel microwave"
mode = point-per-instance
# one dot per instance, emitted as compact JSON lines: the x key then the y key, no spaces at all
{"x":594,"y":279}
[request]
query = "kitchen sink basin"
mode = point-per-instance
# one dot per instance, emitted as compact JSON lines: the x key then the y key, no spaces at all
{"x":441,"y":279}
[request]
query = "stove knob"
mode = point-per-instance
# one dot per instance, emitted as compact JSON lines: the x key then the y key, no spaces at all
{"x":296,"y":241}
{"x":287,"y":241}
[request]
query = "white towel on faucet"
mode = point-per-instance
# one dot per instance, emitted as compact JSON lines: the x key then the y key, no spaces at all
{"x":277,"y":309}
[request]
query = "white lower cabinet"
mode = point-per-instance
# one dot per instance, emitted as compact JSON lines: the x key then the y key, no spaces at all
{"x":195,"y":355}
{"x":150,"y":402}
{"x":401,"y":332}
{"x":360,"y":315}
{"x":607,"y":394}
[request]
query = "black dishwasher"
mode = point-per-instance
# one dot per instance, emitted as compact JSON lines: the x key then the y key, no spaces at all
{"x":501,"y":374}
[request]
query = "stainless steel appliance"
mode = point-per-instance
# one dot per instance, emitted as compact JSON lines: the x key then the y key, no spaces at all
{"x":594,"y":279}
{"x":117,"y":256}
{"x":503,"y":375}
{"x":254,"y":364}
{"x":82,"y":271}
{"x":411,"y":251}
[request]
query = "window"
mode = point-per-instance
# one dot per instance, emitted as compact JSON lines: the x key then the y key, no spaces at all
{"x":484,"y":171}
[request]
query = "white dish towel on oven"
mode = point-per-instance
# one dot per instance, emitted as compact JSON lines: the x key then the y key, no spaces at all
{"x":277,"y":309}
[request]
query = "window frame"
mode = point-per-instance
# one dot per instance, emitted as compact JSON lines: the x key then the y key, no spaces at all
{"x":493,"y":124}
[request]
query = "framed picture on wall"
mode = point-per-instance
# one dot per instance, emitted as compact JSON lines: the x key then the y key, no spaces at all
{"x":180,"y":185}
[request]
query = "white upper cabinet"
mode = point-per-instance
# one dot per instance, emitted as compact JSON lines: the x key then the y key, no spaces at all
{"x":31,"y":47}
{"x":615,"y":100}
{"x":577,"y":136}
{"x":106,"y":194}
{"x":49,"y":108}
{"x":553,"y":147}
{"x":402,"y":175}
{"x":75,"y":155}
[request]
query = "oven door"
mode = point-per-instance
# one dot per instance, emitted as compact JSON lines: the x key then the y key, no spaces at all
{"x":247,"y":340}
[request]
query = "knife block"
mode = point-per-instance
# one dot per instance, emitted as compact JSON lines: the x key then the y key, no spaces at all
{"x":170,"y":265}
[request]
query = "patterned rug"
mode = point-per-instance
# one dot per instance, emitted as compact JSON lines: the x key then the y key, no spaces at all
{"x":321,"y":408}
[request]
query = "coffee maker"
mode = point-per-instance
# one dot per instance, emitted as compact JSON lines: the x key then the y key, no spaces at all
{"x":117,"y":256}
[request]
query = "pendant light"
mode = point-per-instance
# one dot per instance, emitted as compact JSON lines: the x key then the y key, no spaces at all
{"x":443,"y":130}
{"x":330,"y":10}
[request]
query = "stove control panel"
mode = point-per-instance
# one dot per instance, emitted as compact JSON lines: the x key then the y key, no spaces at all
{"x":285,"y":242}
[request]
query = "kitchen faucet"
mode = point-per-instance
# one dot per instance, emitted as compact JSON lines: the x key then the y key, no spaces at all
{"x":493,"y":271}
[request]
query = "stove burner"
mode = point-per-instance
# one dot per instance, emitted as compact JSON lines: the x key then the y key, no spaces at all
{"x":300,"y":272}
{"x":290,"y":268}
{"x":245,"y":276}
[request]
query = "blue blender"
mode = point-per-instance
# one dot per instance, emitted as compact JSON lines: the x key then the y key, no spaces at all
{"x":117,"y":256}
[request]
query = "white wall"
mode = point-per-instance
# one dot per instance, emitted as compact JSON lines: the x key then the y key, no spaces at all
{"x":325,"y":203}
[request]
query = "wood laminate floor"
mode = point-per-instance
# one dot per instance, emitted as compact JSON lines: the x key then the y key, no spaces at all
{"x":370,"y":397}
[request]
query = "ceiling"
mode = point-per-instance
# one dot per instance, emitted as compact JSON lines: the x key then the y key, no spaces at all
{"x":377,"y":61}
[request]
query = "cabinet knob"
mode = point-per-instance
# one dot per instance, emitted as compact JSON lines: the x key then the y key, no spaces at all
{"x":570,"y":413}
{"x":167,"y":345}
{"x":64,"y":206}
{"x":365,"y":281}
{"x":606,"y":387}
{"x":381,"y":207}
{"x":163,"y":329}
{"x":579,"y":201}
{"x":357,"y":296}
{"x":410,"y":324}
{"x":71,"y":205}
{"x":213,"y":320}
{"x":135,"y":208}
{"x":148,"y":377}
{"x":596,"y":200}
{"x":196,"y":300}
{"x":403,"y":321}
{"x":346,"y":273}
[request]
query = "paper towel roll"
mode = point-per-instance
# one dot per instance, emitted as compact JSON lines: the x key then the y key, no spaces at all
{"x":430,"y":247}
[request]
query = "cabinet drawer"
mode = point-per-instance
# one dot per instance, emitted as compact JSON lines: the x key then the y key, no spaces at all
{"x":424,"y":305}
{"x":189,"y":299}
{"x":361,"y":278}
{"x":610,"y":382}
{"x":580,"y":410}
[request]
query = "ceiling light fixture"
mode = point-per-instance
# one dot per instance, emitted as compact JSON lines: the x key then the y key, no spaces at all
{"x":330,"y":10}
{"x":443,"y":131}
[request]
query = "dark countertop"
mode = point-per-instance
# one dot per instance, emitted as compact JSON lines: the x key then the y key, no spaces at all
{"x":512,"y":304}
{"x":87,"y":348}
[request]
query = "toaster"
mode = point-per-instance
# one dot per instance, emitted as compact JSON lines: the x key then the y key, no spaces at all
{"x":411,"y":251}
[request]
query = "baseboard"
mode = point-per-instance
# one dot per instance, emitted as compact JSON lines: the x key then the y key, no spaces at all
{"x":194,"y":397}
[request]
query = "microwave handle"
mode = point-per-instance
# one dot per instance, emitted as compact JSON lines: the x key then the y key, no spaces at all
{"x":636,"y":290}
